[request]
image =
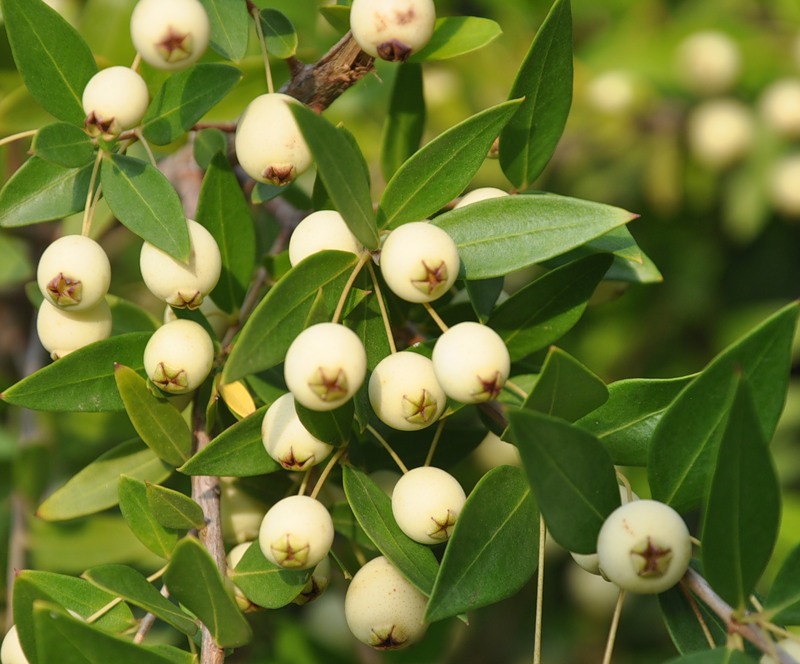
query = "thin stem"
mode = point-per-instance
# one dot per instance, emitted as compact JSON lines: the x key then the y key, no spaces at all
{"x":436,"y":318}
{"x":321,"y":481}
{"x":304,"y":484}
{"x":348,"y":286}
{"x":256,"y":14}
{"x":138,"y":133}
{"x":148,"y":621}
{"x":698,"y":614}
{"x":17,"y":137}
{"x":434,"y":443}
{"x":388,"y":448}
{"x":626,"y":484}
{"x":612,"y":631}
{"x":537,"y":635}
{"x":88,"y":214}
{"x":136,"y":62}
{"x":382,"y":305}
{"x":345,"y":572}
{"x":511,"y":386}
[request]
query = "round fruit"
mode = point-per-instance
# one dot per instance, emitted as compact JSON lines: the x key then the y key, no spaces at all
{"x":419,"y":261}
{"x":287,"y":440}
{"x":178,"y":357}
{"x":480,"y":194}
{"x":709,"y":61}
{"x":404,"y":392}
{"x":74,"y":273}
{"x":325,"y":365}
{"x":392,"y":29}
{"x":426,"y":502}
{"x":783,"y":189}
{"x":493,"y":452}
{"x":11,"y":650}
{"x":240,"y":513}
{"x":183,"y":284}
{"x":269,"y":145}
{"x":383,"y":609}
{"x":720,"y":132}
{"x":471,"y":362}
{"x":613,"y":92}
{"x":317,"y":583}
{"x":780,"y":107}
{"x":170,"y":34}
{"x":644,"y":547}
{"x":321,"y":230}
{"x":62,"y":332}
{"x":114,"y":99}
{"x":296,"y":533}
{"x":790,"y":646}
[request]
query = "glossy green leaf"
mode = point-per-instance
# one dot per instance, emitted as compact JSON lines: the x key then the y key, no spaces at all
{"x":194,"y":580}
{"x":500,"y":235}
{"x":143,"y":200}
{"x":128,"y":317}
{"x":483,"y":296}
{"x":41,"y":191}
{"x":266,"y":584}
{"x":716,"y":656}
{"x":83,"y":380}
{"x":94,"y":488}
{"x":457,"y":35}
{"x":783,"y":600}
{"x":441,"y":169}
{"x":740,"y":524}
{"x":55,"y":62}
{"x":282,"y":314}
{"x":373,"y":510}
{"x":330,"y":426}
{"x":345,"y":523}
{"x":136,"y":511}
{"x":223,"y":211}
{"x":545,"y":80}
{"x":280,"y":36}
{"x":125,"y":582}
{"x":230,"y":27}
{"x":173,"y":509}
{"x":405,"y":119}
{"x":63,"y":144}
{"x":184,"y":98}
{"x":493,"y":550}
{"x":684,"y":446}
{"x":681,"y":622}
{"x":17,"y":265}
{"x":547,"y":308}
{"x":571,"y":475}
{"x":367,"y":322}
{"x":207,"y":143}
{"x":337,"y":15}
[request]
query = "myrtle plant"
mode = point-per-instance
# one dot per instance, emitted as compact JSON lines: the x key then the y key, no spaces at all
{"x":325,"y":320}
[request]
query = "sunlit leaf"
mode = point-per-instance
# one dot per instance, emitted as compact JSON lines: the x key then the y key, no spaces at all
{"x":457,"y":35}
{"x":63,"y":144}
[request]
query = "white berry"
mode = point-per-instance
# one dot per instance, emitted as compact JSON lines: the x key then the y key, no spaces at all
{"x":114,"y":99}
{"x":74,"y":273}
{"x":325,"y":365}
{"x":780,"y":107}
{"x":790,"y":646}
{"x":296,"y":533}
{"x":178,"y":357}
{"x":383,"y":609}
{"x":783,"y":185}
{"x":170,"y":34}
{"x":240,"y":513}
{"x":644,"y":547}
{"x":426,"y":502}
{"x":316,"y":584}
{"x":392,"y":29}
{"x":61,"y":331}
{"x":321,"y":230}
{"x":480,"y":194}
{"x":709,"y":62}
{"x":287,"y":440}
{"x":720,"y":132}
{"x":11,"y":650}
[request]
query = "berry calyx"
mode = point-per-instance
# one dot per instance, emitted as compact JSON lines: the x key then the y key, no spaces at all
{"x":426,"y":502}
{"x":63,"y":331}
{"x":74,"y":273}
{"x":287,"y":440}
{"x":114,"y":99}
{"x":178,"y":357}
{"x":321,"y":230}
{"x":392,"y":29}
{"x":170,"y":34}
{"x":296,"y":533}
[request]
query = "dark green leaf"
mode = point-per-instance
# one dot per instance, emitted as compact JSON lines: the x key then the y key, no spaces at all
{"x":783,"y":601}
{"x":682,"y":624}
{"x":366,"y":321}
{"x":716,"y":656}
{"x":330,"y":426}
{"x":173,"y":509}
{"x":280,"y":36}
{"x":207,"y":143}
{"x":230,"y":27}
{"x":483,"y":294}
{"x":405,"y":119}
{"x":136,"y":510}
{"x":457,"y":35}
{"x":345,"y":523}
{"x":263,"y":192}
{"x":128,"y":317}
{"x":266,"y":584}
{"x":63,"y":144}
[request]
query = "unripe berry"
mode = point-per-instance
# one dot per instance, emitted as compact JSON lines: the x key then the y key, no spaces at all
{"x":317,"y":583}
{"x":644,"y":547}
{"x":471,"y":362}
{"x":613,"y":92}
{"x":11,"y":650}
{"x":419,"y":261}
{"x":493,"y":452}
{"x":183,"y":284}
{"x":720,"y":132}
{"x":783,"y":186}
{"x":324,"y":229}
{"x":170,"y":34}
{"x":708,"y":62}
{"x":392,"y":29}
{"x":426,"y":502}
{"x":296,"y":533}
{"x":240,"y":513}
{"x":62,"y":332}
{"x":325,"y":365}
{"x":404,"y":392}
{"x":287,"y":440}
{"x":480,"y":194}
{"x":234,"y":556}
{"x":780,"y":107}
{"x":269,"y":145}
{"x":790,"y":646}
{"x":74,"y":273}
{"x":383,"y":609}
{"x":114,"y":99}
{"x":178,"y":357}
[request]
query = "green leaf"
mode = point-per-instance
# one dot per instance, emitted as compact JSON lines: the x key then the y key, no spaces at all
{"x":547,"y":308}
{"x":207,"y":143}
{"x":337,"y":15}
{"x":55,"y":62}
{"x":173,"y":509}
{"x":82,"y":381}
{"x":405,"y":119}
{"x":223,"y":211}
{"x":684,"y":446}
{"x":184,"y":98}
{"x":16,"y":266}
{"x":280,"y":36}
{"x":41,"y":191}
{"x":345,"y":523}
{"x":125,"y":582}
{"x":742,"y":513}
{"x":682,"y":624}
{"x":266,"y":584}
{"x":94,"y":488}
{"x":156,"y":420}
{"x":571,"y":475}
{"x":143,"y":200}
{"x":63,"y":144}
{"x":282,"y":314}
{"x":716,"y":656}
{"x":194,"y":580}
{"x":498,"y":524}
{"x":483,"y":295}
{"x":441,"y":169}
{"x":340,"y":167}
{"x":500,"y":235}
{"x":457,"y":35}
{"x":545,"y":80}
{"x":136,"y":511}
{"x":783,"y":601}
{"x":366,"y":321}
{"x":128,"y":317}
{"x":330,"y":426}
{"x":373,"y":510}
{"x":230,"y":27}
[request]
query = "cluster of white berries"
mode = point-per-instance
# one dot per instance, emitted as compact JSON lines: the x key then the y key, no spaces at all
{"x":392,"y":29}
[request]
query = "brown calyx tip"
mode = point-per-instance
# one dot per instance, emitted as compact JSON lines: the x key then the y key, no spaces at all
{"x":394,"y":51}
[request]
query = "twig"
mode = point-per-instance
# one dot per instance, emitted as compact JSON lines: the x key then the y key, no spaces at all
{"x":537,"y":635}
{"x":382,"y":305}
{"x":388,"y":448}
{"x":612,"y":630}
{"x":148,"y":621}
{"x":333,"y":461}
{"x":434,"y":443}
{"x":348,"y":286}
{"x":17,"y":137}
{"x":436,"y":317}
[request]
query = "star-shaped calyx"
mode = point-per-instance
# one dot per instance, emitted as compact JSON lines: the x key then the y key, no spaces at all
{"x":430,"y":277}
{"x":170,"y":379}
{"x":174,"y":45}
{"x":64,"y":291}
{"x":329,"y":384}
{"x":650,"y":559}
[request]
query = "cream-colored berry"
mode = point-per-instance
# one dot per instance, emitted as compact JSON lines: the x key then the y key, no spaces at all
{"x":234,"y":556}
{"x":183,"y":284}
{"x":480,"y":194}
{"x":426,"y":502}
{"x":240,"y":513}
{"x":269,"y":145}
{"x":316,"y":584}
{"x":392,"y":29}
{"x":325,"y":365}
{"x":709,"y":62}
{"x":74,"y":273}
{"x":170,"y":34}
{"x":784,"y":185}
{"x":61,"y":331}
{"x":11,"y":650}
{"x":218,"y":319}
{"x":404,"y":392}
{"x":178,"y":357}
{"x":720,"y":132}
{"x":287,"y":440}
{"x":790,"y":646}
{"x":296,"y":533}
{"x":780,"y":107}
{"x":114,"y":99}
{"x":321,"y":230}
{"x":419,"y":261}
{"x":471,"y":362}
{"x":383,"y":609}
{"x":493,"y":452}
